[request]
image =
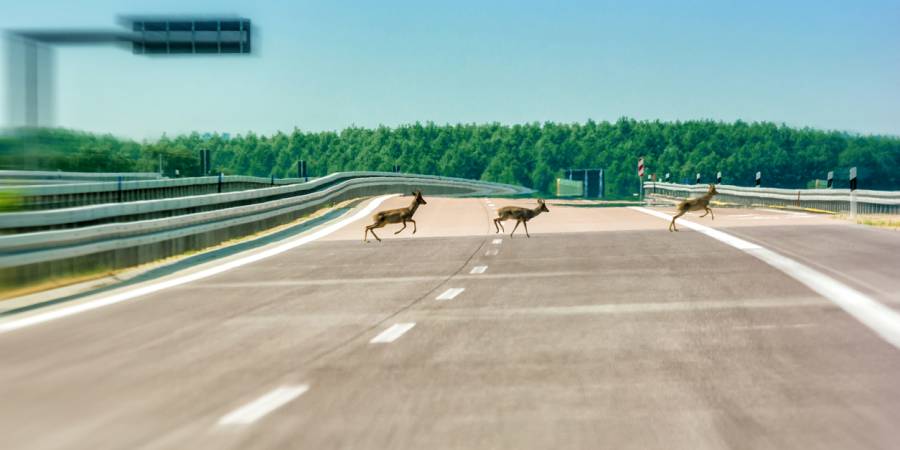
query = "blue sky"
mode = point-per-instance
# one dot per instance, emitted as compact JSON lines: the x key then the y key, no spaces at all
{"x":331,"y":64}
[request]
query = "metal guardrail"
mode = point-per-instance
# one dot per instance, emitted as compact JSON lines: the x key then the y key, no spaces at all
{"x":17,"y":222}
{"x":50,"y":196}
{"x":831,"y":200}
{"x":31,"y":257}
{"x":75,"y":176}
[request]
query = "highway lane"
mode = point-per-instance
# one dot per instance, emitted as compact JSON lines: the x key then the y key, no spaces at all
{"x":142,"y":373}
{"x":864,"y":257}
{"x":619,"y":335}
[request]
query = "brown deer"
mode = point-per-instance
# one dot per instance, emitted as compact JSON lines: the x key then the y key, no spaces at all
{"x":521,"y":215}
{"x":395,"y":216}
{"x":695,"y":204}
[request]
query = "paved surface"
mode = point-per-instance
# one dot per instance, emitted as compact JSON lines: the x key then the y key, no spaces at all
{"x":603,"y":330}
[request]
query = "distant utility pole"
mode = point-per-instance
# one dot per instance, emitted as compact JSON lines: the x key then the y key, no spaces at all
{"x":204,"y":162}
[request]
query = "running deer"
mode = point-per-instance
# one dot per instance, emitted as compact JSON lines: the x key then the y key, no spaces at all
{"x":395,"y":216}
{"x":521,"y":215}
{"x":695,"y":204}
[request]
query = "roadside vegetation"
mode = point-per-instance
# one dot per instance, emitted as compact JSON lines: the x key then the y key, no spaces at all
{"x":533,"y":154}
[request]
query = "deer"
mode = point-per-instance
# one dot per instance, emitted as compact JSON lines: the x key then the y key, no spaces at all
{"x":398,"y":215}
{"x":521,"y":215}
{"x":695,"y":204}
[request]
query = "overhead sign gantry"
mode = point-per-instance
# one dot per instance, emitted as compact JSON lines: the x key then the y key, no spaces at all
{"x":31,"y":58}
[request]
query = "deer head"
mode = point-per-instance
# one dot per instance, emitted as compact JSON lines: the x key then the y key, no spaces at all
{"x":712,"y":190}
{"x":419,"y":198}
{"x":543,"y":206}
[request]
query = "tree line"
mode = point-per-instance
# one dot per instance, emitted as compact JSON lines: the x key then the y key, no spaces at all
{"x":532,"y":154}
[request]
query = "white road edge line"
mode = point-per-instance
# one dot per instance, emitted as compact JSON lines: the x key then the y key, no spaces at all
{"x":478,"y":269}
{"x":879,"y":318}
{"x":497,"y":241}
{"x":450,"y":294}
{"x":393,"y":333}
{"x":156,"y":287}
{"x":253,"y":411}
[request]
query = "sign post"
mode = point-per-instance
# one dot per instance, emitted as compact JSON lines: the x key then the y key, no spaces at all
{"x":301,"y":170}
{"x":830,"y":182}
{"x":719,"y":177}
{"x":853,"y":192}
{"x":758,"y":178}
{"x":697,"y":181}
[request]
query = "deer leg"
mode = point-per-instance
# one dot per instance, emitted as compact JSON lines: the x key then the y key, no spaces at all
{"x":525,"y":223}
{"x":713,"y":216}
{"x":704,"y":214}
{"x":672,"y":225}
{"x":499,"y":221}
{"x":372,"y":229}
{"x":404,"y":227}
{"x":514,"y":228}
{"x":414,"y":225}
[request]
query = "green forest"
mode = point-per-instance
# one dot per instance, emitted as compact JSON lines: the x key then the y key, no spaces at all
{"x":532,"y":154}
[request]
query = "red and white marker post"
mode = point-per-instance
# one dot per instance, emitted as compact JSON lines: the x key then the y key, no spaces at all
{"x":641,"y":176}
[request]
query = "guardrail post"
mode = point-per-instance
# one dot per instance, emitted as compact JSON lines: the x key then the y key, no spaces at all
{"x":220,"y":183}
{"x":119,"y":189}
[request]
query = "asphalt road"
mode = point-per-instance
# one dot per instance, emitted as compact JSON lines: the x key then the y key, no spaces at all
{"x":603,"y":330}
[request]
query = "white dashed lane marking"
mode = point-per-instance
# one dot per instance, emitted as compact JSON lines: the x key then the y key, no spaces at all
{"x":450,"y":294}
{"x":253,"y":411}
{"x":393,"y":333}
{"x":478,"y":269}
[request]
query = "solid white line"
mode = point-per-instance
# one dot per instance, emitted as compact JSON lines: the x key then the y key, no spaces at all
{"x":491,"y":252}
{"x":792,"y":213}
{"x":478,"y":269}
{"x":156,"y":287}
{"x":882,"y":320}
{"x":258,"y":408}
{"x":450,"y":294}
{"x":772,"y":326}
{"x":497,"y":241}
{"x":393,"y":333}
{"x":713,"y":233}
